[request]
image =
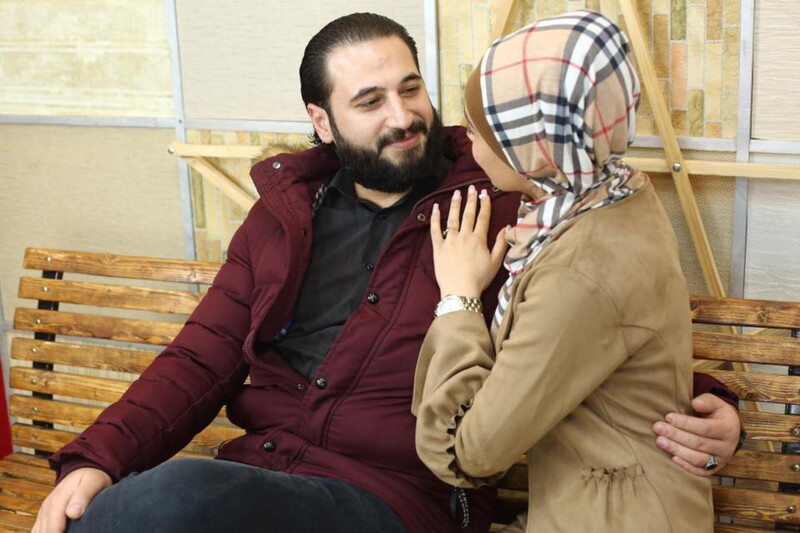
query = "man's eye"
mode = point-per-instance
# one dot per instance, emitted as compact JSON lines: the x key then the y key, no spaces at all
{"x":372,"y":102}
{"x":414,"y":89}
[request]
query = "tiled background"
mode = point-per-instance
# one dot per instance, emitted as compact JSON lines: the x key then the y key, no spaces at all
{"x":694,"y":45}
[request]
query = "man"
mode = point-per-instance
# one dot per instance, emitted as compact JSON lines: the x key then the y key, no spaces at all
{"x":324,"y":300}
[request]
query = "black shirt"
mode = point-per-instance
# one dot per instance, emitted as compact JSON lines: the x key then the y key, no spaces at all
{"x":349,"y":236}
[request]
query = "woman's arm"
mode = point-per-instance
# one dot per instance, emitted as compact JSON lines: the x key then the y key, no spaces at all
{"x":478,"y":414}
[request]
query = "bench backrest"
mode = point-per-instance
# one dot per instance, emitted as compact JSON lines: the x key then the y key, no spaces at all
{"x":99,"y":320}
{"x":96,"y":330}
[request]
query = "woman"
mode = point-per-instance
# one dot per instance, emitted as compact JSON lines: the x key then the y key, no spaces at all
{"x":591,"y":340}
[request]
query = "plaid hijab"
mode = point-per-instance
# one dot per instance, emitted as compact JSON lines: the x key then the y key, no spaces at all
{"x":557,"y":101}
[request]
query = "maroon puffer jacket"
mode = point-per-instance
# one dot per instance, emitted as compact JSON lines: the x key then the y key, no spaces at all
{"x":352,"y":421}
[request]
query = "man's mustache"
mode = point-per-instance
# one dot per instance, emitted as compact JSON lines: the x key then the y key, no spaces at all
{"x":398,"y":134}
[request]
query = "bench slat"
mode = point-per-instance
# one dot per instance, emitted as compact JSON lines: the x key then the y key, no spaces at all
{"x":121,"y":266}
{"x":100,"y":389}
{"x":55,"y":412}
{"x":760,"y":387}
{"x":741,"y":312}
{"x":22,"y":488}
{"x":763,"y":466}
{"x":730,"y":528}
{"x":12,"y":522}
{"x":64,"y":384}
{"x":80,"y":416}
{"x":27,"y":459}
{"x":96,"y":326}
{"x":82,"y":355}
{"x":52,"y":440}
{"x":746,"y":348}
{"x":37,"y":474}
{"x":17,"y":503}
{"x":108,"y":295}
{"x":48,"y":440}
{"x":769,"y":426}
{"x":756,"y":504}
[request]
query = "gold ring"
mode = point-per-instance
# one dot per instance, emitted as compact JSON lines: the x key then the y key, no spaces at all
{"x":447,"y":230}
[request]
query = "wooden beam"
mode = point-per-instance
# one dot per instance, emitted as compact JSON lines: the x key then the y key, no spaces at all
{"x":677,"y":165}
{"x":222,"y":181}
{"x":214,"y":150}
{"x":720,"y":168}
{"x":503,"y":14}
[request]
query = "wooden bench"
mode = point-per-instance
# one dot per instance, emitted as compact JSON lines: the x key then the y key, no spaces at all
{"x":92,"y":335}
{"x":94,"y":332}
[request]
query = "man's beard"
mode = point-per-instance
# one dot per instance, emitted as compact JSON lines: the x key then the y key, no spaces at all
{"x":367,"y":168}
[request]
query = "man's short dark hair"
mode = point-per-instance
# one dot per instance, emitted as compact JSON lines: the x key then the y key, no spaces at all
{"x":315,"y":85}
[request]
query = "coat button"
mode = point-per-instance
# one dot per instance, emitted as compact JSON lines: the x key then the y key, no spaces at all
{"x":276,"y":165}
{"x":321,"y":383}
{"x":421,"y":217}
{"x":373,"y":298}
{"x":370,"y":267}
{"x":269,"y":446}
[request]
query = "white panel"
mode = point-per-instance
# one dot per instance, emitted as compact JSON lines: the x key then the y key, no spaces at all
{"x":240,"y":60}
{"x":776,"y":76}
{"x":86,"y":188}
{"x":773,"y":240}
{"x":84,"y":57}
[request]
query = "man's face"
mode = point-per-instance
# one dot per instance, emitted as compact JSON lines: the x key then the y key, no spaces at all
{"x":379,"y":116}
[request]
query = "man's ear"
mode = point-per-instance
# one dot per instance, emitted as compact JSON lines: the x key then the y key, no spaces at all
{"x":319,"y":117}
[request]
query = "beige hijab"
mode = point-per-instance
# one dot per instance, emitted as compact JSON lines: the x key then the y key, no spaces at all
{"x":557,"y":101}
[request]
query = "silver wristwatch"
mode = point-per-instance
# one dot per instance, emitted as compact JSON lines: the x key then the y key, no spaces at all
{"x":452,"y":302}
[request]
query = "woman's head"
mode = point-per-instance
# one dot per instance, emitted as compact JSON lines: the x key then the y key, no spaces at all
{"x":555,"y":102}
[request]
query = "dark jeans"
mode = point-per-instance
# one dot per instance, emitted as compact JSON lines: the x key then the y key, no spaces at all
{"x":200,"y":495}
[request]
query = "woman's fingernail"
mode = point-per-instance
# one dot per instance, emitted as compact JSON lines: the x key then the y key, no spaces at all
{"x":457,"y":194}
{"x":435,"y":208}
{"x":471,"y":189}
{"x":484,"y":195}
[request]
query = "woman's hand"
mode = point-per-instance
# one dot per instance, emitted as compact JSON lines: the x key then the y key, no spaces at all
{"x":461,"y":257}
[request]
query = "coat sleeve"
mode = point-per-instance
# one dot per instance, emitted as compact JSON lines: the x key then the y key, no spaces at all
{"x":703,"y":383}
{"x":477,"y":413}
{"x":182,"y":390}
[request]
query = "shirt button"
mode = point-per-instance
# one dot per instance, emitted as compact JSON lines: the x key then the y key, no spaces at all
{"x":495,"y":189}
{"x":321,"y":383}
{"x":373,"y":298}
{"x":421,"y":217}
{"x":269,"y":446}
{"x":300,"y":386}
{"x":370,"y":267}
{"x":276,"y":165}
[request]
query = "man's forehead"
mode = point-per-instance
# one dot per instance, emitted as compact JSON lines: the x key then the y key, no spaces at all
{"x":353,"y":67}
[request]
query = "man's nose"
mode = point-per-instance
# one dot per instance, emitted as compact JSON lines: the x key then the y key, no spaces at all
{"x":400,"y":116}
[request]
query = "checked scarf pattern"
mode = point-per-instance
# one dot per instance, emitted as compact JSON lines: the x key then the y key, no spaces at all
{"x":560,"y":98}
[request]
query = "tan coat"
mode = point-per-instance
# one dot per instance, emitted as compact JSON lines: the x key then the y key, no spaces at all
{"x":595,"y":346}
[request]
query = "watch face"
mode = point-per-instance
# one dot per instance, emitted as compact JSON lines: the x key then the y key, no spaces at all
{"x":449,"y":304}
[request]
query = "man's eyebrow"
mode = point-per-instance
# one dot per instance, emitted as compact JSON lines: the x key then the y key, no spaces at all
{"x":367,"y":90}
